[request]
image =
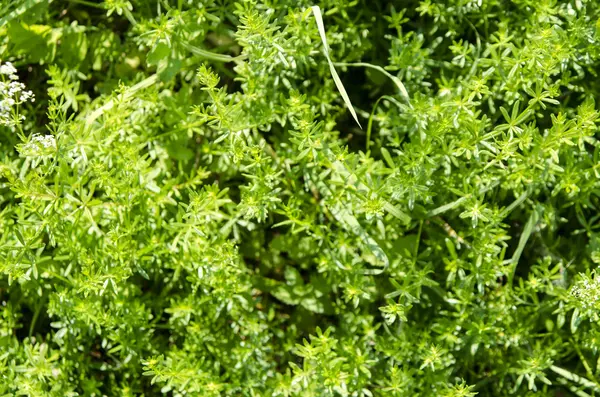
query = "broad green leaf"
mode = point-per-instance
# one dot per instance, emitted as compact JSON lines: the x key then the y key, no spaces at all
{"x":158,"y":53}
{"x":19,"y":10}
{"x":168,"y":68}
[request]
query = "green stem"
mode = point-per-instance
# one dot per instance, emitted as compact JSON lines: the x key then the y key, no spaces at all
{"x":36,"y":314}
{"x":88,"y":4}
{"x":416,"y":252}
{"x":212,"y":55}
{"x":126,"y":96}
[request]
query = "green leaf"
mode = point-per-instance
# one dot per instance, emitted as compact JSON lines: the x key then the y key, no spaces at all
{"x":285,"y":294}
{"x":575,"y":320}
{"x":36,"y":42}
{"x":74,"y":48}
{"x":388,"y":158}
{"x":292,"y":276}
{"x":168,"y":68}
{"x":158,"y":53}
{"x":20,"y":10}
{"x":179,"y":151}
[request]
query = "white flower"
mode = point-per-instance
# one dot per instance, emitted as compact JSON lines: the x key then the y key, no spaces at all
{"x":9,"y":70}
{"x":47,"y":141}
{"x":12,"y":93}
{"x":39,"y":145}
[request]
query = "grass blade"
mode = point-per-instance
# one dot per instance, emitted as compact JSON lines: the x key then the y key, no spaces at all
{"x":394,"y":79}
{"x":338,"y":83}
{"x":533,"y":218}
{"x":527,"y":230}
{"x":370,"y":124}
{"x":515,"y":204}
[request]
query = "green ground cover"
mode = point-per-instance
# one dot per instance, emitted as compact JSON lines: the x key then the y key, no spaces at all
{"x":263,"y":198}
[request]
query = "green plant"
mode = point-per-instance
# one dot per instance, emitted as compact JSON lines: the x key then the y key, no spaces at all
{"x":190,"y":206}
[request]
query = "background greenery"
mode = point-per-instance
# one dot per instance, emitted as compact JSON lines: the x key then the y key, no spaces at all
{"x":189,"y":208}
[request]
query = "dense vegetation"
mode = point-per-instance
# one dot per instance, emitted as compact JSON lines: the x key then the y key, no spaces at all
{"x":188,"y":205}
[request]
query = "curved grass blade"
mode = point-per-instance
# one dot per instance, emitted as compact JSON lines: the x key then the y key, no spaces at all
{"x":336,"y":78}
{"x":394,"y":79}
{"x":370,"y":124}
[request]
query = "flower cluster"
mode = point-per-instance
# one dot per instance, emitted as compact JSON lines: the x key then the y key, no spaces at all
{"x":12,"y":94}
{"x":587,"y":292}
{"x":38,"y":145}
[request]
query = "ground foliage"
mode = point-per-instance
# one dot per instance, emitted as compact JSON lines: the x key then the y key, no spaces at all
{"x":187,"y":206}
